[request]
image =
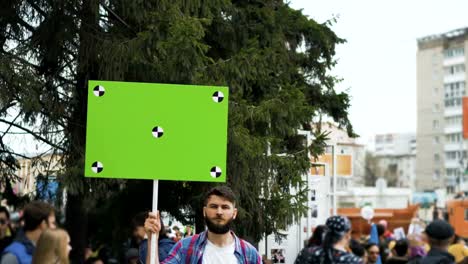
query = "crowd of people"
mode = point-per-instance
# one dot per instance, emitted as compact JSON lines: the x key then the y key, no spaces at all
{"x":36,"y":239}
{"x":333,"y":243}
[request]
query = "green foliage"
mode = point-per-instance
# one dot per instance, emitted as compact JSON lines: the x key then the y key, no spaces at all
{"x":275,"y":60}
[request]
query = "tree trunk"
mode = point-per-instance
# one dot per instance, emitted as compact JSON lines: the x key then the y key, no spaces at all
{"x":76,"y":213}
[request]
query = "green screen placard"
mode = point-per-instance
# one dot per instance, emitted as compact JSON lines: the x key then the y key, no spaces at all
{"x":156,"y":131}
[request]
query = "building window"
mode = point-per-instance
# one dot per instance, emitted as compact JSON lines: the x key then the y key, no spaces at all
{"x":454,"y":52}
{"x":435,"y":124}
{"x":436,"y":175}
{"x":454,"y":69}
{"x":436,"y":157}
{"x":466,"y":214}
{"x":436,"y":140}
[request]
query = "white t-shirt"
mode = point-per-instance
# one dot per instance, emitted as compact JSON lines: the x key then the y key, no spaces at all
{"x":217,"y":255}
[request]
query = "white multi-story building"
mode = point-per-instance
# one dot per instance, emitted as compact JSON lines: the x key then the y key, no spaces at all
{"x":441,"y":84}
{"x":395,"y":144}
{"x":395,"y":155}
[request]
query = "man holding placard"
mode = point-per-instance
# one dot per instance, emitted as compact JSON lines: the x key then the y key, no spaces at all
{"x":160,"y":132}
{"x":216,"y":245}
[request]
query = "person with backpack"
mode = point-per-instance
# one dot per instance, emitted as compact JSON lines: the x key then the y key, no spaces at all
{"x":216,"y":245}
{"x":38,"y":216}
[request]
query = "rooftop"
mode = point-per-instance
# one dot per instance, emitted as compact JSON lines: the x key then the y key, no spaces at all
{"x":439,"y":39}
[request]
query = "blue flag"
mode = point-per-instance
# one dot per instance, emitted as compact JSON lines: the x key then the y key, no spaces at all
{"x":374,"y":238}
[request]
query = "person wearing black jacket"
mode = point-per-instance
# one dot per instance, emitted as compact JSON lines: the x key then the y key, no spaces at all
{"x":440,"y":234}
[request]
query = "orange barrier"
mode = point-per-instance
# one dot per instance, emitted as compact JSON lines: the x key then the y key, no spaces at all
{"x":394,"y":217}
{"x":458,"y":216}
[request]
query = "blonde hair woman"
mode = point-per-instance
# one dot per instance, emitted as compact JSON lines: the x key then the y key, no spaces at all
{"x":52,"y":247}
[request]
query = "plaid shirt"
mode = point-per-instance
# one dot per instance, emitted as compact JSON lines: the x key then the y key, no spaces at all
{"x":244,"y":252}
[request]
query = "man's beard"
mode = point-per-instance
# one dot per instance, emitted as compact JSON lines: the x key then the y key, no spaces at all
{"x":218,"y":228}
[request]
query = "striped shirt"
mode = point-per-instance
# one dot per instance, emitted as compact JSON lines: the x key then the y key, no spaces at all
{"x":195,"y":246}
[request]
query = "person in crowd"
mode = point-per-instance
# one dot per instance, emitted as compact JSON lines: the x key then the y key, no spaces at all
{"x":132,"y":256}
{"x":388,"y":235}
{"x":218,"y":244}
{"x":458,"y":249}
{"x":417,"y":247}
{"x":165,"y":244}
{"x":439,"y":234}
{"x":6,"y":236}
{"x":178,"y":236}
{"x":188,"y":231}
{"x":53,"y":246}
{"x":333,"y":249}
{"x":37,"y":216}
{"x":358,"y":249}
{"x":373,"y":253}
{"x":383,"y":243}
{"x":317,"y":236}
{"x":399,"y":252}
{"x":416,"y":252}
{"x":138,"y":229}
{"x":94,"y":260}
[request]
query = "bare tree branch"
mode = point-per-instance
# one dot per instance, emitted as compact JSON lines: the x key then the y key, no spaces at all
{"x":34,"y":134}
{"x":9,"y":127}
{"x":16,"y":154}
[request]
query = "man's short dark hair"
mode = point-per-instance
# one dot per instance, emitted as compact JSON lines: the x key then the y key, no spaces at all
{"x":34,"y":213}
{"x":3,"y":209}
{"x":401,"y":247}
{"x":369,"y":245}
{"x":380,"y":230}
{"x":222,"y":191}
{"x":139,"y":219}
{"x":357,"y":248}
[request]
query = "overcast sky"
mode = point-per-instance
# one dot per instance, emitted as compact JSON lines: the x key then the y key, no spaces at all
{"x":378,"y":62}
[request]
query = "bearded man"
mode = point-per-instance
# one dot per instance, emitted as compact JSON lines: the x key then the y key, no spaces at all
{"x":218,"y":244}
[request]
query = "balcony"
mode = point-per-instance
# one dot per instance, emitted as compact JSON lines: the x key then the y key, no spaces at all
{"x":454,"y":60}
{"x":453,"y":111}
{"x":451,"y":129}
{"x":452,"y":164}
{"x":458,"y":77}
{"x":452,"y":146}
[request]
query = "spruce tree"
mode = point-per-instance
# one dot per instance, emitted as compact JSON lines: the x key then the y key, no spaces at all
{"x":275,"y":60}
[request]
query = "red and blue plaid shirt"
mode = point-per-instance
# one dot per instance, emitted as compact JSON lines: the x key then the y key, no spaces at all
{"x":190,"y":251}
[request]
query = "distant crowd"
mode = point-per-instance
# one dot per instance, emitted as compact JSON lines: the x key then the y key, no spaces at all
{"x":33,"y":236}
{"x":435,"y":244}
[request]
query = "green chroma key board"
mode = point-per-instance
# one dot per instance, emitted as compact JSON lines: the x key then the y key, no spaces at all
{"x":156,"y":131}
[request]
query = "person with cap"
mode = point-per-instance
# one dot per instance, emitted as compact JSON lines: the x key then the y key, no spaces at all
{"x":333,"y":249}
{"x":439,"y":234}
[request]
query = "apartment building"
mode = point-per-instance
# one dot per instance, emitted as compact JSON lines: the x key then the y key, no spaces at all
{"x":441,"y":84}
